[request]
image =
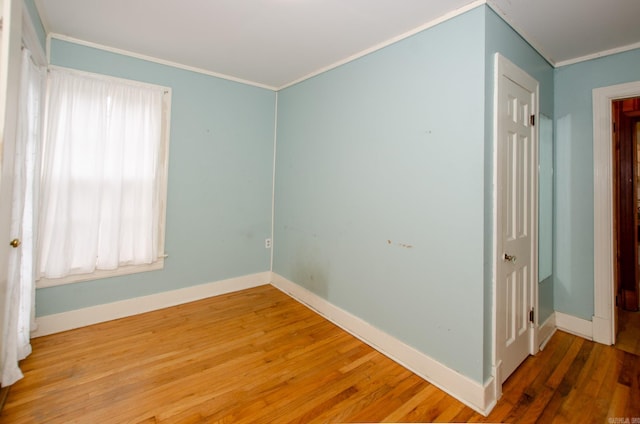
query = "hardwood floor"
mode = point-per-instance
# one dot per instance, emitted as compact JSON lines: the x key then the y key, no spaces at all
{"x":628,"y":337}
{"x":258,"y":356}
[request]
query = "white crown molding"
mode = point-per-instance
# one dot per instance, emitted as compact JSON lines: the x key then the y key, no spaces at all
{"x":490,"y":3}
{"x":379,"y":46}
{"x":153,"y":60}
{"x":556,"y":64}
{"x":480,"y":397}
{"x":604,"y":53}
{"x":55,"y":323}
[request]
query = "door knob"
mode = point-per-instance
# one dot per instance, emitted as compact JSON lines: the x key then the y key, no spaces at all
{"x":510,"y":258}
{"x":14,"y":243}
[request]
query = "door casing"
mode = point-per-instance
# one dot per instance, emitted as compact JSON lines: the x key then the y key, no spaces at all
{"x":603,"y":320}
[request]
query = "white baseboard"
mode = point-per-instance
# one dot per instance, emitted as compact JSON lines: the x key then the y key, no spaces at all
{"x":481,"y":398}
{"x":64,"y":321}
{"x":574,"y":325}
{"x":546,"y":330}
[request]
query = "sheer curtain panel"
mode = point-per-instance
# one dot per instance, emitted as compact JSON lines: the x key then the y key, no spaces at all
{"x":19,"y":310}
{"x":100,"y":187}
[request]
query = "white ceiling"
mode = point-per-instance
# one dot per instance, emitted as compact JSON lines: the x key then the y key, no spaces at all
{"x":274,"y":43}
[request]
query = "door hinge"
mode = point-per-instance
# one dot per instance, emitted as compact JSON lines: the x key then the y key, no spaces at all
{"x":532,"y":120}
{"x":614,"y":127}
{"x":532,"y":315}
{"x":617,"y":300}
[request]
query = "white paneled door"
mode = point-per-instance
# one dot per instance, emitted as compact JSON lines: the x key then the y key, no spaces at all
{"x":10,"y":60}
{"x":516,"y":216}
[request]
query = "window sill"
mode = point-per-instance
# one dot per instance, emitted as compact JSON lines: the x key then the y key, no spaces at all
{"x":99,"y":274}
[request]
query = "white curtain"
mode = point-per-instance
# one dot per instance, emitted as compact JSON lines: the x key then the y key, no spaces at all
{"x":19,"y":310}
{"x":100,"y":196}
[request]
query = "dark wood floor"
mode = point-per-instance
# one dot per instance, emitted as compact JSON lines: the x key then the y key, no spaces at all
{"x":258,"y":356}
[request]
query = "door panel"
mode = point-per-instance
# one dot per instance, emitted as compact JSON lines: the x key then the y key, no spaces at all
{"x":10,"y":43}
{"x":516,"y":225}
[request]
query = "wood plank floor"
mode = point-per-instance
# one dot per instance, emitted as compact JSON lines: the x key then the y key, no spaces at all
{"x":258,"y":356}
{"x":628,"y":338}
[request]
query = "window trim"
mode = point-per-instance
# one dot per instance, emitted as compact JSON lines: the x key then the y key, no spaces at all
{"x":163,"y":159}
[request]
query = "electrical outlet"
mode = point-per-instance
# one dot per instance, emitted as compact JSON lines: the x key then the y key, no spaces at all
{"x":267,"y":243}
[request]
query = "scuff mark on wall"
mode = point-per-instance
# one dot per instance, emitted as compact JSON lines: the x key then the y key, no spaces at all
{"x":403,"y":245}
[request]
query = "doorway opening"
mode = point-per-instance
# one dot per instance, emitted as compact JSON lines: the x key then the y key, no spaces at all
{"x":625,"y":115}
{"x":604,"y":316}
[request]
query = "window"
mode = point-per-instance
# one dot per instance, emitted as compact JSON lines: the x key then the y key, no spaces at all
{"x":104,"y":173}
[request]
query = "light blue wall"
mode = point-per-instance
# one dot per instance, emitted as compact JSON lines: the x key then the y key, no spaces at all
{"x":220,"y":181}
{"x":573,"y":277}
{"x":383,"y":184}
{"x":500,"y":37}
{"x":380,"y":189}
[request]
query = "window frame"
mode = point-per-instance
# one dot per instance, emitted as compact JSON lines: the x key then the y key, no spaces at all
{"x":162,"y":179}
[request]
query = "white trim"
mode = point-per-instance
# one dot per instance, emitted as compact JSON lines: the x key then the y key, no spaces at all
{"x":597,"y":55}
{"x":450,"y":15}
{"x":603,"y":277}
{"x":162,"y":176}
{"x":505,"y":68}
{"x":478,"y":396}
{"x":447,"y":16}
{"x":47,"y":49}
{"x":497,"y":362}
{"x":574,"y":325}
{"x":496,"y":371}
{"x":163,"y":167}
{"x":99,"y":274}
{"x":541,"y":51}
{"x":154,"y":60}
{"x":602,"y":329}
{"x":547,"y":330}
{"x":110,"y":78}
{"x":64,"y":321}
{"x":425,"y":26}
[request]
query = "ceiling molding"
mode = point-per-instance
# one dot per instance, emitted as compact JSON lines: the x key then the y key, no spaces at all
{"x":450,"y":15}
{"x":522,"y":18}
{"x":151,"y":59}
{"x":386,"y":43}
{"x":599,"y":55}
